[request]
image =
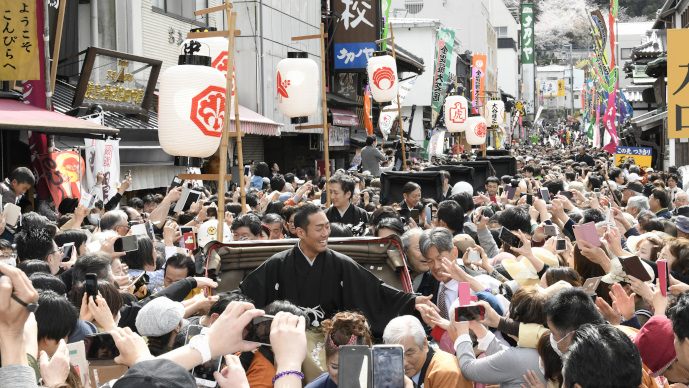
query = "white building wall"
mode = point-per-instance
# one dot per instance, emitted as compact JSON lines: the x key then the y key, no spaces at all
{"x":420,"y":41}
{"x":507,"y":58}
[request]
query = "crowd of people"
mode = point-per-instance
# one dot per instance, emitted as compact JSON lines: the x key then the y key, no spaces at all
{"x":571,"y":272}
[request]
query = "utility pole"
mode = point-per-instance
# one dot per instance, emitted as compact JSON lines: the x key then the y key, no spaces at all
{"x":571,"y":69}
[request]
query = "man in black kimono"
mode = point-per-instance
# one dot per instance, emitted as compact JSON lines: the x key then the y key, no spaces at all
{"x":343,"y":210}
{"x":411,"y":191}
{"x":323,"y":281}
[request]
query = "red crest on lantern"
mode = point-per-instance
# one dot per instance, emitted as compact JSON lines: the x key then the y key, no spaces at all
{"x":384,"y":73}
{"x":208,"y":110}
{"x":220,"y":63}
{"x":282,"y":87}
{"x":480,"y":130}
{"x":458,"y":113}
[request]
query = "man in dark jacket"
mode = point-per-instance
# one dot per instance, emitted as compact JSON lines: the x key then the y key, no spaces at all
{"x":343,"y":210}
{"x":584,"y":157}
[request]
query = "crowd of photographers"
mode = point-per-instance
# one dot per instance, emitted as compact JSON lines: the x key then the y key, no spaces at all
{"x":573,"y":272}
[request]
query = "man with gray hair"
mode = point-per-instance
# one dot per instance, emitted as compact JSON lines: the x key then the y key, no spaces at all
{"x":426,"y":367}
{"x":418,"y":269}
{"x":115,"y":220}
{"x":637,"y":204}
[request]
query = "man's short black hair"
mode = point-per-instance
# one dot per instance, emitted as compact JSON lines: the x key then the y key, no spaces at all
{"x":516,"y":218}
{"x":34,"y":244}
{"x":452,"y":214}
{"x":92,"y":262}
{"x":663,"y":196}
{"x":288,"y":307}
{"x":594,"y":215}
{"x":56,"y":317}
{"x":136,"y":203}
{"x":370,"y":139}
{"x":445,"y":174}
{"x":4,"y":244}
{"x":529,"y":169}
{"x":410,"y":187}
{"x":225,"y":299}
{"x":22,"y":175}
{"x":78,"y":237}
{"x":506,"y":179}
{"x":301,"y":218}
{"x":47,"y":282}
{"x":554,"y":186}
{"x":277,"y":182}
{"x":250,"y":221}
{"x":289,"y":177}
{"x":252,"y":199}
{"x":391,"y":223}
{"x":30,"y":267}
{"x":139,"y":258}
{"x":181,"y":261}
{"x":150,"y":198}
{"x":602,"y":356}
{"x":614,"y":173}
{"x":570,"y":308}
{"x":493,"y":179}
{"x":465,"y":200}
{"x":679,"y":314}
{"x":345,"y":182}
{"x":570,"y":175}
{"x":595,"y":182}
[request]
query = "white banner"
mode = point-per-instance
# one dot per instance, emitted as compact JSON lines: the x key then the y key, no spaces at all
{"x":387,"y":119}
{"x":436,"y":145}
{"x":538,"y":115}
{"x":102,"y":156}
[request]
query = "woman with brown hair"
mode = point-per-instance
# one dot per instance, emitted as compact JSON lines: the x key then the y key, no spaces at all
{"x":345,"y":328}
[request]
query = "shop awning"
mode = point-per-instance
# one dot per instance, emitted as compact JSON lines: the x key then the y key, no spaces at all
{"x":344,"y":118}
{"x":254,"y":124}
{"x":17,"y":116}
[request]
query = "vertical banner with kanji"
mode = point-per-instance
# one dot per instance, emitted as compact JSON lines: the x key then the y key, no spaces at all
{"x":527,"y":49}
{"x":436,"y":145}
{"x":443,"y":60}
{"x":62,"y":172}
{"x":478,"y":76}
{"x":677,"y":82}
{"x":102,"y":156}
{"x":385,"y":8}
{"x":19,"y":59}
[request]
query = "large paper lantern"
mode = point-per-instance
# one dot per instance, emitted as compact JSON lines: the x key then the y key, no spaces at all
{"x":456,"y":113}
{"x":297,"y":84}
{"x":476,"y":130}
{"x":215,"y":47}
{"x":495,"y":112}
{"x":191,"y":108}
{"x":382,"y":76}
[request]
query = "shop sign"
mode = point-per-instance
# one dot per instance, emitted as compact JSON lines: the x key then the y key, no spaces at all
{"x":19,"y":56}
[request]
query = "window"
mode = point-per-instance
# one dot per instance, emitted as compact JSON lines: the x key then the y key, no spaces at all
{"x":183,"y":9}
{"x":413,"y":6}
{"x":502,"y":32}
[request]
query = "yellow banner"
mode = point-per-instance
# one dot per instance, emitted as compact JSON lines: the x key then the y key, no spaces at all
{"x":19,"y":58}
{"x":641,"y":156}
{"x":677,"y":84}
{"x":560,"y":88}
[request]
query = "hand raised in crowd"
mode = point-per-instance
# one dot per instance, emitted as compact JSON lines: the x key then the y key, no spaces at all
{"x":16,"y":292}
{"x":54,"y":370}
{"x":658,"y":300}
{"x":72,"y":259}
{"x":229,"y":218}
{"x":200,"y":304}
{"x":171,"y":233}
{"x":108,"y":246}
{"x":532,"y":380}
{"x":614,"y":239}
{"x":174,"y":195}
{"x":196,"y":206}
{"x":642,"y":289}
{"x":202,"y":216}
{"x":288,"y":341}
{"x":101,"y":312}
{"x":453,"y":269}
{"x":202,"y":282}
{"x":80,"y":213}
{"x":131,"y":346}
{"x":125,"y":185}
{"x":425,"y":300}
{"x":594,"y":254}
{"x":233,"y":375}
{"x":431,"y":316}
{"x":677,"y":287}
{"x":480,"y":220}
{"x":610,"y":313}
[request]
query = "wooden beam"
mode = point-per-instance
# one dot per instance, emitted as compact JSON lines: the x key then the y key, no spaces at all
{"x":212,"y":34}
{"x":213,"y":9}
{"x":315,"y":126}
{"x":384,"y":40}
{"x":203,"y":177}
{"x":389,"y":110}
{"x":399,"y":108}
{"x":326,"y":126}
{"x":308,"y":37}
{"x":56,"y":46}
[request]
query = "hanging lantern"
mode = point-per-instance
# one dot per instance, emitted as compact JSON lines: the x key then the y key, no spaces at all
{"x":298,"y":83}
{"x":476,"y":130}
{"x":495,"y":112}
{"x":191,"y":106}
{"x":215,"y":47}
{"x":382,"y":76}
{"x":456,"y":113}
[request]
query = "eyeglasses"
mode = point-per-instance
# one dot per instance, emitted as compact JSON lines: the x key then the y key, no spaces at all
{"x":9,"y":256}
{"x":123,"y":226}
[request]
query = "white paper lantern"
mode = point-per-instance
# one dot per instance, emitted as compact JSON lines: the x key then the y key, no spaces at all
{"x":382,"y":77}
{"x":476,"y":131}
{"x":456,"y":113}
{"x":216,"y":48}
{"x":495,"y":112}
{"x":191,"y":110}
{"x":298,"y":82}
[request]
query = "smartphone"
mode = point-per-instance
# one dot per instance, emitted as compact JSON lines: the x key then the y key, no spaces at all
{"x":100,"y":346}
{"x":566,"y":194}
{"x":126,"y":244}
{"x":140,"y":281}
{"x":511,"y":191}
{"x":474,"y":257}
{"x":545,"y":194}
{"x":596,"y":190}
{"x":258,"y":330}
{"x":246,"y":170}
{"x":67,"y":251}
{"x":561,"y":245}
{"x":176,"y":182}
{"x":469,"y":313}
{"x":203,"y":374}
{"x":550,"y":230}
{"x":664,"y":277}
{"x":591,"y":285}
{"x":91,"y":285}
{"x":188,"y":198}
{"x":529,"y":199}
{"x":500,"y":191}
{"x":388,"y":366}
{"x":127,"y":174}
{"x":149,"y":231}
{"x":415,"y":215}
{"x":509,"y":238}
{"x":632,"y":265}
{"x":355,"y":368}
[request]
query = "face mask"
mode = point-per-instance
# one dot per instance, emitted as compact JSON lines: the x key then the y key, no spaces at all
{"x":554,"y":343}
{"x":93,"y":218}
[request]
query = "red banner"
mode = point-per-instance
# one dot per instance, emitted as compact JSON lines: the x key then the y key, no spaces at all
{"x":63,"y":173}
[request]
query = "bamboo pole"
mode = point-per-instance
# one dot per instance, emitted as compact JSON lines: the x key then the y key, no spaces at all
{"x":58,"y":41}
{"x":326,"y":151}
{"x":399,"y":107}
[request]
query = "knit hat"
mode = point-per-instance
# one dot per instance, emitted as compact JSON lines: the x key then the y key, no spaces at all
{"x":655,"y":344}
{"x":159,"y":317}
{"x":682,"y":223}
{"x":156,"y":373}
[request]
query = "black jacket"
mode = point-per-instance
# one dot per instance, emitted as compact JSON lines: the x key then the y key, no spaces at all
{"x":353,"y":216}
